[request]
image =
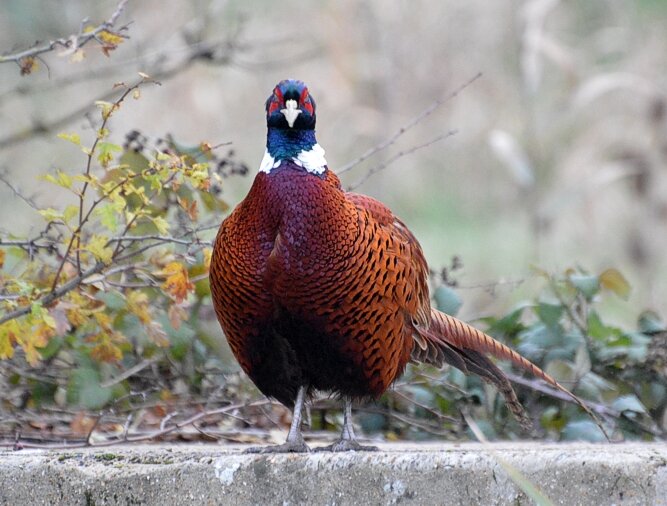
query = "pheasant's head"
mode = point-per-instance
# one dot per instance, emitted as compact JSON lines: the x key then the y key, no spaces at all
{"x":290,"y":106}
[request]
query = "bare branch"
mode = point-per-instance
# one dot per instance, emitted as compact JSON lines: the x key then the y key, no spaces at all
{"x":414,"y":121}
{"x":399,"y":155}
{"x":131,"y":371}
{"x":160,"y":238}
{"x":601,"y":409}
{"x":164,"y":430}
{"x":55,"y":294}
{"x":17,"y":192}
{"x":71,"y":43}
{"x":219,"y":53}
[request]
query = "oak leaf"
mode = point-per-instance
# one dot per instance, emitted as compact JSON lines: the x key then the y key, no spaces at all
{"x":178,"y":283}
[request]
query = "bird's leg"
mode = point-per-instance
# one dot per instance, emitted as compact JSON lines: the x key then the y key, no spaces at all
{"x":295,"y":442}
{"x":347,"y":441}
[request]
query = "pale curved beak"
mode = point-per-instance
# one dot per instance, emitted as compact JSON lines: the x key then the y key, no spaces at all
{"x":291,"y":112}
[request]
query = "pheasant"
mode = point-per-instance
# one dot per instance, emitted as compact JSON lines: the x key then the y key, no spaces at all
{"x":317,"y":288}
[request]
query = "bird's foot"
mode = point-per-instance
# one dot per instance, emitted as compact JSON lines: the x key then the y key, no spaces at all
{"x":347,"y":445}
{"x":289,"y":447}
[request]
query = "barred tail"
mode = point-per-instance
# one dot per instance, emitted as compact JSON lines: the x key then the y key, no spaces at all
{"x":450,"y":340}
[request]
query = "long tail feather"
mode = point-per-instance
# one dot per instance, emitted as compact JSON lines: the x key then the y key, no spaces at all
{"x":449,"y":333}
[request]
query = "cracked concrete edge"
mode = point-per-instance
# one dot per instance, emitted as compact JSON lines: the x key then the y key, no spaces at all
{"x":420,"y":474}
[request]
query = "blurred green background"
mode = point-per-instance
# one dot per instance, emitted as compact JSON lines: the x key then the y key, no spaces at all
{"x":560,"y":157}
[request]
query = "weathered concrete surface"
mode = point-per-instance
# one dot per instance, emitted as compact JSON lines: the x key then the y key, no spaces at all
{"x":411,"y":474}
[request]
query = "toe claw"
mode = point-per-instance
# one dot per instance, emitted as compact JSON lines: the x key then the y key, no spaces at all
{"x":298,"y":447}
{"x":347,"y":445}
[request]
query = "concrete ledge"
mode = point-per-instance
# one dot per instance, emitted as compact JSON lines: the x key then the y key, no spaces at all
{"x":402,"y":473}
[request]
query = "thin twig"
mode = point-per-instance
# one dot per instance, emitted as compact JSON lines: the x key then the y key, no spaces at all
{"x":16,"y":191}
{"x":47,"y":299}
{"x":142,"y":238}
{"x":204,"y":52}
{"x":143,"y":437}
{"x":92,"y":429}
{"x":73,"y":42}
{"x":399,"y":155}
{"x":435,"y":413}
{"x":416,"y":120}
{"x":131,"y":371}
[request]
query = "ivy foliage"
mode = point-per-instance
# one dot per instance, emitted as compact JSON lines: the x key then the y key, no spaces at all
{"x":621,"y":373}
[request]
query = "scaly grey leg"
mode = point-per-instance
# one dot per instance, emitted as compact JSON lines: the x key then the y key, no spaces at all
{"x":347,"y":441}
{"x":295,"y":442}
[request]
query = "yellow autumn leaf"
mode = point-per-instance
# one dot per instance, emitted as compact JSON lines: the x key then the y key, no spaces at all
{"x":8,"y":331}
{"x":178,"y":283}
{"x":30,"y":337}
{"x":137,"y":303}
{"x":614,"y":281}
{"x":207,"y":258}
{"x":73,"y":138}
{"x":110,"y":38}
{"x":161,"y":224}
{"x":104,"y":320}
{"x":31,"y":354}
{"x":50,"y":214}
{"x":98,"y":247}
{"x":106,"y":347}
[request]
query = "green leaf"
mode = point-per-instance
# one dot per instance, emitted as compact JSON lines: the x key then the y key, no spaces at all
{"x":653,"y":395}
{"x":614,"y":281}
{"x":108,"y":215}
{"x":583,"y":430}
{"x":51,"y":214}
{"x":71,"y":212}
{"x":596,"y":329}
{"x":161,"y":224}
{"x":52,"y":347}
{"x":651,"y":323}
{"x":212,"y":202}
{"x":73,"y":138}
{"x":61,"y":179}
{"x":534,"y":340}
{"x":507,"y":326}
{"x":550,"y":314}
{"x":582,"y":361}
{"x":447,"y":300}
{"x":114,"y":301}
{"x":41,"y":314}
{"x":372,"y":423}
{"x":588,"y":285}
{"x":84,"y":389}
{"x":181,"y":338}
{"x":628,"y":403}
{"x":105,"y":152}
{"x":563,"y":371}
